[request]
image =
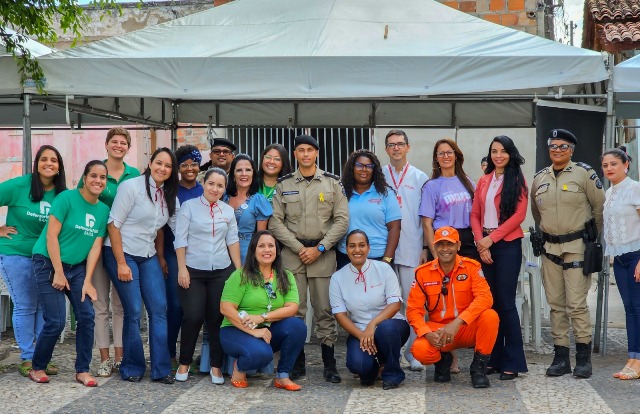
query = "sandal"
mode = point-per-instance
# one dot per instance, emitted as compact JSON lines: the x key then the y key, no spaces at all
{"x":105,"y":368}
{"x":88,"y":381}
{"x":629,"y":363}
{"x":629,"y":373}
{"x":238,"y":383}
{"x":51,"y":369}
{"x":25,"y":369}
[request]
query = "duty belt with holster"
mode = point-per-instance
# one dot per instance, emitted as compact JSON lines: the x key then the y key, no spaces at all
{"x":309,"y":243}
{"x":593,"y":250}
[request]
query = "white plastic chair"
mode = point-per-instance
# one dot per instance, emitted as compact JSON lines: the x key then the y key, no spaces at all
{"x":5,"y":307}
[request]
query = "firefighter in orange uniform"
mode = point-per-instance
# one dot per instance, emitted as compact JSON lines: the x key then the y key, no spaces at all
{"x":453,"y":290}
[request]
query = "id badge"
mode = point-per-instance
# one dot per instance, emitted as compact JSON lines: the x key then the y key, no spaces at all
{"x":399,"y":200}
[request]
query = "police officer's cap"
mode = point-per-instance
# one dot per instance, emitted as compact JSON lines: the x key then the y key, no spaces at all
{"x":306,"y":139}
{"x":564,"y":135}
{"x":223,"y":142}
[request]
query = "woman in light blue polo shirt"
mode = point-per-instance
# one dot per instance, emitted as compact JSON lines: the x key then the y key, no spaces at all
{"x":373,"y":207}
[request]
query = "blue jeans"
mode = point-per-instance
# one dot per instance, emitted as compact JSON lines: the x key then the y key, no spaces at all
{"x":389,"y":337}
{"x":17,"y":272}
{"x":623,"y":269}
{"x":174,"y":308}
{"x":287,"y":336}
{"x":147,"y":285}
{"x":502,"y":277}
{"x":55,"y":313}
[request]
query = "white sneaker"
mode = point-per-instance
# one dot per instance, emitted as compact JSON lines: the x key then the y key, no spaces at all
{"x":104,"y":370}
{"x":415,"y":365}
{"x":215,"y":380}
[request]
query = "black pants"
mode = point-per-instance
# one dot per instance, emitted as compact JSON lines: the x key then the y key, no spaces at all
{"x":467,"y":246}
{"x":201,"y":303}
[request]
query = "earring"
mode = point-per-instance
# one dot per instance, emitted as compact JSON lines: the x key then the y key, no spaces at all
{"x":626,"y":170}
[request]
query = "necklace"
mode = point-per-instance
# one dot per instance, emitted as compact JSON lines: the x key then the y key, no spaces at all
{"x":497,"y":180}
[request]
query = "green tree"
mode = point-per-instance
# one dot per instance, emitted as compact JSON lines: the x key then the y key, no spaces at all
{"x":38,"y":19}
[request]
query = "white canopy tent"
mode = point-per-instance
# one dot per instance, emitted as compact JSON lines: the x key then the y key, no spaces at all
{"x":626,"y":87}
{"x":329,"y":63}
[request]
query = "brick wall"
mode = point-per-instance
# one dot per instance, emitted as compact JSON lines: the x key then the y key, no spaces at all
{"x":517,"y":14}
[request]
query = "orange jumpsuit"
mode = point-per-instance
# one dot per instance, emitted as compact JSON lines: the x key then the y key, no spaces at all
{"x":468,"y":298}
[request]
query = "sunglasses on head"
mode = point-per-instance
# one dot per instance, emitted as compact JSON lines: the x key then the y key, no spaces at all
{"x":270,"y":292}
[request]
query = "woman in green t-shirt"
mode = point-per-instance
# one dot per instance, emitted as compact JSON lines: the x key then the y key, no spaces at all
{"x":28,"y":199}
{"x":259,"y":303}
{"x":274,"y":163}
{"x":64,"y":258}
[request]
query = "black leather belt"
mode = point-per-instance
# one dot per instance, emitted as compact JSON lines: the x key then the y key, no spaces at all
{"x":568,"y":265}
{"x":309,"y":243}
{"x":565,"y":238}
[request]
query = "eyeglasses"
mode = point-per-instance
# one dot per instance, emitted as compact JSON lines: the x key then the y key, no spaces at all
{"x":270,"y":292}
{"x":191,"y":166}
{"x":360,"y":166}
{"x":272,"y":158}
{"x":445,"y":280}
{"x":393,"y":145}
{"x":221,"y":152}
{"x":443,"y":154}
{"x":561,"y":147}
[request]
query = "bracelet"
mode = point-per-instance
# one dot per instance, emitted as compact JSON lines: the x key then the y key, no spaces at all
{"x":387,"y":259}
{"x":425,"y":247}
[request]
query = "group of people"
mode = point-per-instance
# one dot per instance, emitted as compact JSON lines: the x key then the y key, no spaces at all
{"x":392,"y":255}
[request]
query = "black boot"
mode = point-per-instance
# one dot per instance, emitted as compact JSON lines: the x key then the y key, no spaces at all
{"x":442,"y":371}
{"x":329,"y":361}
{"x":478,"y":370}
{"x":583,"y":361}
{"x":299,"y":368}
{"x":561,"y":363}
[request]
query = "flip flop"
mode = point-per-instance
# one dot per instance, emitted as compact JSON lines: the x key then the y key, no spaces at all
{"x":24,"y":369}
{"x":51,"y":369}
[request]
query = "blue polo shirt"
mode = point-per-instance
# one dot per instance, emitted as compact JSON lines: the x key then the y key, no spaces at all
{"x":370,"y":212}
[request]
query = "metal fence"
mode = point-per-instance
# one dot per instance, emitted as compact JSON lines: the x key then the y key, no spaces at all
{"x":335,"y":143}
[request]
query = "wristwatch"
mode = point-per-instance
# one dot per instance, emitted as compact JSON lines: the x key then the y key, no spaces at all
{"x":387,"y":259}
{"x":321,"y":248}
{"x":264,"y":316}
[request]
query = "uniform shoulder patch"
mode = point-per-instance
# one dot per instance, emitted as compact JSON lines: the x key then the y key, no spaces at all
{"x":584,"y":165}
{"x":328,"y":174}
{"x":284,"y":177}
{"x":542,"y":171}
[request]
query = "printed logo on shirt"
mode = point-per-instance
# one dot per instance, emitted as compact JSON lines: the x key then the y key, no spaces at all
{"x":375,"y":200}
{"x":461,"y":277}
{"x":89,"y":224}
{"x":89,"y":221}
{"x":374,"y":286}
{"x":409,"y":187}
{"x":44,"y":208}
{"x":457,"y":198}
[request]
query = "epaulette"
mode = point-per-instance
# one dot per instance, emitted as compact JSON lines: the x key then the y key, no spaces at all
{"x":584,"y":165}
{"x":468,"y":259}
{"x":284,"y":177}
{"x":328,"y":174}
{"x":540,"y":172}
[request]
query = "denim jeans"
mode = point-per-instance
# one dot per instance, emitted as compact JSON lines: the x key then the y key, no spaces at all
{"x":148,"y":285}
{"x":502,"y":276}
{"x":287,"y":336}
{"x":624,"y":268}
{"x":55,"y":315}
{"x":389,"y":337}
{"x":174,"y":308}
{"x":17,"y":272}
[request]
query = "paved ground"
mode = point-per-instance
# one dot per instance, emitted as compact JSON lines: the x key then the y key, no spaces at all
{"x":530,"y":393}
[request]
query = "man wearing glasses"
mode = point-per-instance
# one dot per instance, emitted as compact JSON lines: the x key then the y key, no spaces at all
{"x":565,"y":196}
{"x":310,"y":216}
{"x":453,"y":291}
{"x":221,"y":154}
{"x":407,"y":181}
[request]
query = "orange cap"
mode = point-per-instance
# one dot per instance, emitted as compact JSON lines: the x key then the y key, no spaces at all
{"x":446,"y":233}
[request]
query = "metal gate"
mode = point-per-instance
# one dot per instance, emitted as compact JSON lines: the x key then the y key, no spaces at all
{"x":335,"y":143}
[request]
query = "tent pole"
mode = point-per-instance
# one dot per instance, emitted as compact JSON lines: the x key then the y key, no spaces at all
{"x":174,"y":126}
{"x":26,"y":134}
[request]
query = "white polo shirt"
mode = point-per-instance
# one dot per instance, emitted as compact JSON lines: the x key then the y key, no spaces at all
{"x":408,"y":185}
{"x":138,"y":217}
{"x":206,"y":230}
{"x":364,"y":296}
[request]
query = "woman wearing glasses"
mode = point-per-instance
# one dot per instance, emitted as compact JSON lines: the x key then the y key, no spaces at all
{"x":499,"y":208}
{"x":259,"y":304}
{"x":208,"y":251}
{"x":447,"y":199}
{"x":373,"y":207}
{"x":274,"y":163}
{"x":189,"y":159}
{"x":252,"y":209}
{"x":365,"y":300}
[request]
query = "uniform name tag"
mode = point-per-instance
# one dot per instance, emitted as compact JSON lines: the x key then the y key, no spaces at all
{"x":432,"y":283}
{"x":284,"y":193}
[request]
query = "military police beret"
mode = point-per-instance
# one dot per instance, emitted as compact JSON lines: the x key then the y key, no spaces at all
{"x":564,"y":135}
{"x":306,"y":139}
{"x":223,"y":142}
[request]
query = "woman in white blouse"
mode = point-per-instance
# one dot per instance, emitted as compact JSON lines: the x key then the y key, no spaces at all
{"x":622,"y":236}
{"x":142,"y":206}
{"x":365,"y":300}
{"x":208,"y":251}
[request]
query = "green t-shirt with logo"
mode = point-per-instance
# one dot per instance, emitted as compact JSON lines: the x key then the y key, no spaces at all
{"x":110,"y":190}
{"x":28,"y":217}
{"x":82,"y":222}
{"x":254,"y":299}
